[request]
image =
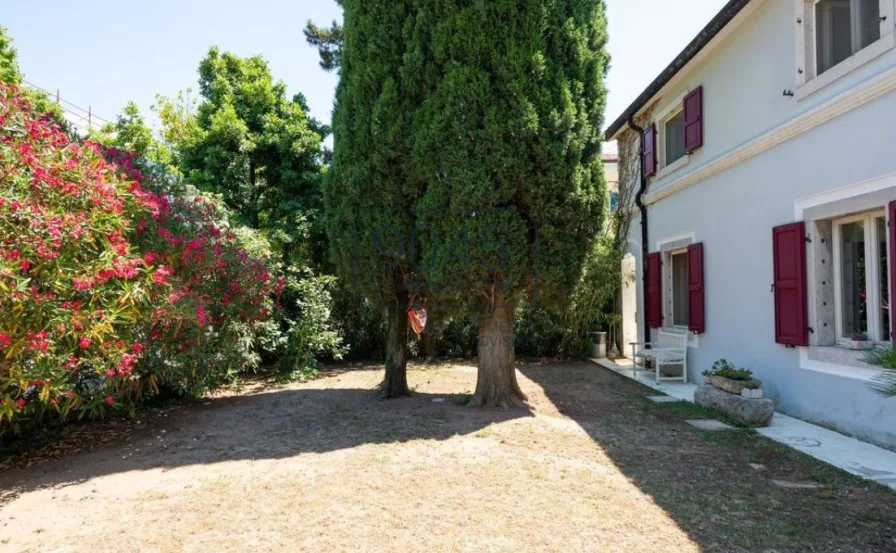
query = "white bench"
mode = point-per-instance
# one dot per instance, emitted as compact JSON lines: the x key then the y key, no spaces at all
{"x":670,"y":348}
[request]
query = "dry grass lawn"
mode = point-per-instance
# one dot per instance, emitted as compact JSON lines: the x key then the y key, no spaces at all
{"x":327,"y":467}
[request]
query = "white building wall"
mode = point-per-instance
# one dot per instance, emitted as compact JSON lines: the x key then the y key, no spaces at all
{"x":733,"y":211}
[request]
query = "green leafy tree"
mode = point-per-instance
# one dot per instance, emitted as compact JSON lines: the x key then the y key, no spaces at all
{"x":507,"y":147}
{"x":258,"y":149}
{"x":130,"y":132}
{"x":369,"y":192}
{"x":11,"y":74}
{"x":9,"y":60}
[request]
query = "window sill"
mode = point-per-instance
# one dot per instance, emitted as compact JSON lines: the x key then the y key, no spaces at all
{"x":850,"y":64}
{"x":838,"y":361}
{"x":672,"y":167}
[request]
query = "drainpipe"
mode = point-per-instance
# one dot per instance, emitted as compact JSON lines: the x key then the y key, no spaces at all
{"x":639,"y":201}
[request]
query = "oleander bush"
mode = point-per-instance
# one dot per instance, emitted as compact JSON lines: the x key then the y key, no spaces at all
{"x":116,"y":282}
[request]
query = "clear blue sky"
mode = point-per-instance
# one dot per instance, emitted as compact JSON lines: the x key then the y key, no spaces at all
{"x":104,"y":53}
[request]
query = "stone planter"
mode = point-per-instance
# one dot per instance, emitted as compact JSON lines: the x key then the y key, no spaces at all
{"x":752,"y":393}
{"x":726,"y":384}
{"x":857,"y":345}
{"x":750,"y":413}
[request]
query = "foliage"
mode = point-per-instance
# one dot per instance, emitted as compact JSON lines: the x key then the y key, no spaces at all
{"x":507,"y":147}
{"x":10,"y":74}
{"x":308,"y":324}
{"x":117,"y":283}
{"x":369,"y":196}
{"x":259,"y":150}
{"x":328,"y":42}
{"x":726,"y":369}
{"x":130,"y":133}
{"x":884,"y":357}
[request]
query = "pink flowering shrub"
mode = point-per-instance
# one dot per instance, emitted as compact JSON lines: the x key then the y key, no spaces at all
{"x":114,"y":284}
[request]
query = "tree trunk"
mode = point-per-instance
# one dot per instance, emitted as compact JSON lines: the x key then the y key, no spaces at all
{"x":496,"y":384}
{"x":395,"y":384}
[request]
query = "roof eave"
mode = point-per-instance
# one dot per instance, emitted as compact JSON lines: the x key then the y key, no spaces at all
{"x":703,"y":38}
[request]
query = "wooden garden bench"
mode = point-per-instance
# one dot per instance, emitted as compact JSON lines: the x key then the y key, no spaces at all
{"x":671,"y":348}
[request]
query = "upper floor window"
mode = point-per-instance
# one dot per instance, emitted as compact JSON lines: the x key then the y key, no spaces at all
{"x":843,"y":28}
{"x":835,"y":37}
{"x":673,"y":138}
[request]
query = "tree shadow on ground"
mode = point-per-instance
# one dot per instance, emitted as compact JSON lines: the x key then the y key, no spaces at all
{"x":264,"y":424}
{"x":718,"y":486}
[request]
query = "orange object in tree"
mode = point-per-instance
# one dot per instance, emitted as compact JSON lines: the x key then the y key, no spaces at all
{"x":417,"y":319}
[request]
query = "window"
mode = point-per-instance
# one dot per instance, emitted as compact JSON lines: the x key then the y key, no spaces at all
{"x":862,"y":277}
{"x":843,"y":28}
{"x":614,"y":201}
{"x":680,"y":288}
{"x":673,"y":136}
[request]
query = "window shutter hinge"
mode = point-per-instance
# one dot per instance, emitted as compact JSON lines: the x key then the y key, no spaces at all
{"x":811,"y":330}
{"x":808,"y":239}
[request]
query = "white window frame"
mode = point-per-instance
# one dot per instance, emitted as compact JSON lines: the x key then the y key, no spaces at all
{"x":807,"y":79}
{"x":872,"y":274}
{"x":663,"y":117}
{"x":671,"y":279}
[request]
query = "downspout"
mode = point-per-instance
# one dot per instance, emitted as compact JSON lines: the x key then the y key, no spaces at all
{"x":639,"y":201}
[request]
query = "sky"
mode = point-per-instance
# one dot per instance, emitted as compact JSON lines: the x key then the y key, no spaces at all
{"x":103,"y":53}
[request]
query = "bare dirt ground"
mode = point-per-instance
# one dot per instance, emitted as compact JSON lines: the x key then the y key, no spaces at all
{"x":326,"y":466}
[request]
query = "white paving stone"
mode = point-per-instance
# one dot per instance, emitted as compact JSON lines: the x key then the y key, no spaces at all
{"x":709,"y":424}
{"x":663,"y":399}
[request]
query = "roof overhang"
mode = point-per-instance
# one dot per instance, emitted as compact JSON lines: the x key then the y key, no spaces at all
{"x":704,"y":38}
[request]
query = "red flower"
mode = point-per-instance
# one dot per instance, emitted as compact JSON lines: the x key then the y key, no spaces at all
{"x":24,"y":264}
{"x":5,"y":340}
{"x":110,"y":400}
{"x":84,"y":343}
{"x":20,"y":403}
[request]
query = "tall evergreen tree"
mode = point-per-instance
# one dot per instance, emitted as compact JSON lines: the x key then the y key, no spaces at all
{"x":507,"y":147}
{"x":369,"y":194}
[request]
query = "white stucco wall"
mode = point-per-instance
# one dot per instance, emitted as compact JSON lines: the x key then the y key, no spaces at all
{"x":733,"y":211}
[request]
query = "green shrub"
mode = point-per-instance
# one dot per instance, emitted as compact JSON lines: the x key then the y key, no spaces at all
{"x":726,"y":369}
{"x":116,"y":282}
{"x":884,"y":357}
{"x":306,"y":324}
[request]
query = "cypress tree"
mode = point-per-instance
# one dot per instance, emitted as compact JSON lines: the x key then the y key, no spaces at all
{"x":506,"y":145}
{"x":369,"y":197}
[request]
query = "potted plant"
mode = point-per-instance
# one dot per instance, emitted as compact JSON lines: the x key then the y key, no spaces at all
{"x":725,"y":376}
{"x":858,"y":342}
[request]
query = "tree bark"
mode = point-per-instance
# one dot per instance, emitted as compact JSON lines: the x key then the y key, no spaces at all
{"x":496,"y":384}
{"x":395,"y":383}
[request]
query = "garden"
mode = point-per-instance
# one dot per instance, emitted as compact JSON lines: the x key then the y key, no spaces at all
{"x":202,"y":318}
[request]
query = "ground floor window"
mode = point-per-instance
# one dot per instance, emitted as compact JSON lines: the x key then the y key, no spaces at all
{"x":679,"y":276}
{"x":862,"y":277}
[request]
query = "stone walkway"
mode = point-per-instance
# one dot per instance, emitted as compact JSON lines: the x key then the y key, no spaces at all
{"x":852,"y":455}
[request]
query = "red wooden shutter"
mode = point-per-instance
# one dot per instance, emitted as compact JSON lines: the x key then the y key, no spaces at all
{"x":655,"y":290}
{"x":791,"y":303}
{"x":892,"y":212}
{"x":696,"y":313}
{"x":648,"y":156}
{"x":693,"y":120}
